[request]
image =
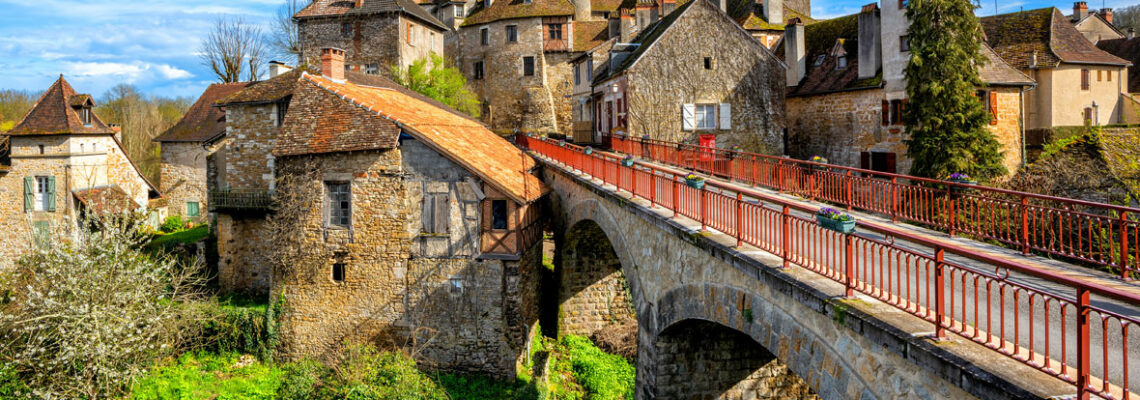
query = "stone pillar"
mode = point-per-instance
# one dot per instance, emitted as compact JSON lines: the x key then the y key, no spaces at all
{"x":774,"y":11}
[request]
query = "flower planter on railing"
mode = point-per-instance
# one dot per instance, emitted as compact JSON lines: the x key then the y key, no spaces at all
{"x":694,"y":181}
{"x":963,"y":183}
{"x":833,"y":220}
{"x":589,"y":150}
{"x":818,"y":167}
{"x":627,"y":161}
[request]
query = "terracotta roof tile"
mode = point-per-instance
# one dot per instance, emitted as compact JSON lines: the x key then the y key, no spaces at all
{"x":461,"y":140}
{"x":105,"y":199}
{"x":54,"y":114}
{"x":1016,"y":37}
{"x":320,"y":121}
{"x":334,"y":8}
{"x":1128,"y":49}
{"x":999,"y":72}
{"x":203,"y":121}
{"x":590,"y":34}
{"x":267,"y":91}
{"x":510,"y":9}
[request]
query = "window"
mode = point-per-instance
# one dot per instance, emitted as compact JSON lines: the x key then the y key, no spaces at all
{"x":878,"y":161}
{"x":842,"y":63}
{"x":372,"y":69}
{"x":81,"y":146}
{"x":904,"y":43}
{"x":346,"y":30}
{"x":708,"y":62}
{"x":41,"y":149}
{"x":590,"y":69}
{"x":1088,"y":115}
{"x":484,"y":37}
{"x":819,"y":59}
{"x":86,"y":114}
{"x":282,"y":109}
{"x":555,"y":31}
{"x":191,"y":208}
{"x":903,"y":4}
{"x":1084,"y":79}
{"x":411,"y":34}
{"x":456,"y":285}
{"x":459,"y":11}
{"x":706,"y":116}
{"x":436,"y":213}
{"x":1098,"y":76}
{"x":339,"y":204}
{"x":512,"y":33}
{"x":39,"y":193}
{"x":477,"y":70}
{"x":989,"y":102}
{"x":1109,"y":76}
{"x":498,"y":214}
{"x":338,"y":272}
{"x":528,"y":66}
{"x":893,"y":111}
{"x":577,"y":74}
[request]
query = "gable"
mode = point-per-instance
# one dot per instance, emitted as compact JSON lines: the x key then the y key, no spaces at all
{"x":55,"y":113}
{"x":318,"y":121}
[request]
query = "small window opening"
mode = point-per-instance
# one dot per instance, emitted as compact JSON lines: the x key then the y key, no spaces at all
{"x":372,"y":69}
{"x":842,"y":63}
{"x":528,"y":66}
{"x":456,"y":285}
{"x":498,"y":214}
{"x":346,"y":30}
{"x":819,"y":59}
{"x":338,"y":272}
{"x":41,"y":149}
{"x":708,"y":62}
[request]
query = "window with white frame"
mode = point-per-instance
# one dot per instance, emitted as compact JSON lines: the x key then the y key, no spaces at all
{"x":339,"y":204}
{"x":459,"y":10}
{"x":706,"y":116}
{"x":43,"y":193}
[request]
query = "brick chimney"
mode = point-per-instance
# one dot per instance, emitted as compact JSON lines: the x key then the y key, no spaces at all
{"x":1080,"y":10}
{"x":1106,"y":13}
{"x":627,"y":26}
{"x":870,"y":42}
{"x":332,"y":63}
{"x":795,"y":51}
{"x":774,"y":11}
{"x":667,"y":6}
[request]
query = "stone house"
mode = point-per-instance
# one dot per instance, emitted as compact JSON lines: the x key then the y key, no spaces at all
{"x":1128,"y":49}
{"x":847,"y":92}
{"x":188,"y":146}
{"x":375,"y":34}
{"x":62,"y":162}
{"x":1095,"y":26}
{"x":582,"y":99}
{"x":693,"y":74}
{"x":417,"y":225}
{"x":1077,"y":83}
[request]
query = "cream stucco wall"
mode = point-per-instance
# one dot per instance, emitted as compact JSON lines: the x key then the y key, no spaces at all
{"x":1095,"y":30}
{"x":1060,"y":101}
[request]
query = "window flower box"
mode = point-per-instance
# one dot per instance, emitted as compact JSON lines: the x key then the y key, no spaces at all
{"x":833,"y":220}
{"x":694,"y":181}
{"x":963,"y":182}
{"x":562,"y":143}
{"x":589,"y":150}
{"x":627,"y":161}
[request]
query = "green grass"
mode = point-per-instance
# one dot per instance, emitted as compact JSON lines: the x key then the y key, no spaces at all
{"x":583,"y":371}
{"x":209,"y":376}
{"x":475,"y":387}
{"x":188,"y":236}
{"x":7,"y":125}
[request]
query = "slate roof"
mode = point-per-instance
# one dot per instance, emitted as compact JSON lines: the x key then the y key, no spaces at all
{"x":1045,"y":32}
{"x":590,"y":34}
{"x":263,"y":92}
{"x":336,"y":8}
{"x":999,"y":72}
{"x":1128,"y":49}
{"x":511,"y":9}
{"x":467,"y":143}
{"x":105,"y":199}
{"x":53,"y":114}
{"x":203,"y":121}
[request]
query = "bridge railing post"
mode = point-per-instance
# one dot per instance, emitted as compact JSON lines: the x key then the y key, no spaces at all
{"x":850,"y":196}
{"x":704,"y":209}
{"x":849,"y":264}
{"x":895,"y":199}
{"x":652,"y":188}
{"x":785,"y":236}
{"x":1083,"y":368}
{"x":676,"y":195}
{"x":780,"y":176}
{"x":939,"y":293}
{"x":739,"y":219}
{"x":1123,"y":245}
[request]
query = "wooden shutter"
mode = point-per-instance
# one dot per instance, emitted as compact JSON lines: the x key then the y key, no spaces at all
{"x":440,"y":213}
{"x":51,"y":194}
{"x":993,"y":108}
{"x":725,"y":116}
{"x":29,"y":194}
{"x":688,"y":117}
{"x":886,"y":113}
{"x":902,"y":109}
{"x":1084,"y":79}
{"x":891,"y":164}
{"x":865,"y":160}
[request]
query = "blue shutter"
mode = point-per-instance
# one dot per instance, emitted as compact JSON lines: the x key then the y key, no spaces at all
{"x":51,"y":194}
{"x":29,"y":194}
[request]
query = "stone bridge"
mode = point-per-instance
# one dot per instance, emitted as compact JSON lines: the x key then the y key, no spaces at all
{"x":715,"y":321}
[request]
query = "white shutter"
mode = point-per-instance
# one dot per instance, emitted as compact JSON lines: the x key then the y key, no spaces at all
{"x":725,"y":116}
{"x":688,"y":120}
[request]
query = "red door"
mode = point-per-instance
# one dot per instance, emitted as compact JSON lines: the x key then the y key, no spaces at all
{"x":707,"y":142}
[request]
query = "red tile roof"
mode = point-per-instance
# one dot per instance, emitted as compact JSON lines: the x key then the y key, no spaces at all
{"x":105,"y":199}
{"x":203,"y":121}
{"x":1046,"y":33}
{"x":334,"y":8}
{"x":466,"y":142}
{"x":511,"y":9}
{"x":54,"y":114}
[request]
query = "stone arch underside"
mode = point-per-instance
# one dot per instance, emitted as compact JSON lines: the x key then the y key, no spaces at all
{"x":594,"y":296}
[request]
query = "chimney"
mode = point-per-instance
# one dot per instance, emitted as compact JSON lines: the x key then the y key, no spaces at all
{"x":794,"y":49}
{"x":1131,"y":33}
{"x":627,"y":26}
{"x":722,"y":5}
{"x":870,"y":42}
{"x":118,"y":131}
{"x":1080,"y":10}
{"x":667,"y":7}
{"x":358,"y":3}
{"x":332,"y":63}
{"x":582,"y":10}
{"x":1106,"y":13}
{"x":642,"y":14}
{"x":277,"y":68}
{"x":774,"y":10}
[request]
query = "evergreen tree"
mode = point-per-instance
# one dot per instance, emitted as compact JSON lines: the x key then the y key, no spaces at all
{"x":433,"y":77}
{"x":946,"y":121}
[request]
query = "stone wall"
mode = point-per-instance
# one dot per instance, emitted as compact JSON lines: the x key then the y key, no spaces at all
{"x":245,"y":252}
{"x":184,"y":177}
{"x":593,"y":292}
{"x":251,"y":132}
{"x":743,"y":73}
{"x":374,"y":39}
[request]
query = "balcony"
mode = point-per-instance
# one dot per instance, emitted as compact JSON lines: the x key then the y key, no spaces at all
{"x":240,"y":200}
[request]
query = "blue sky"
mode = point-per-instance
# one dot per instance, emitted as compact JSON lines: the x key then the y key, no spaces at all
{"x":152,"y":44}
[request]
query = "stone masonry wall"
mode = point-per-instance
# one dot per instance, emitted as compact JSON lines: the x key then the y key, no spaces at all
{"x":374,"y":39}
{"x":184,"y":177}
{"x":743,"y":73}
{"x":244,"y":253}
{"x":16,"y":220}
{"x":593,"y":290}
{"x":252,"y":131}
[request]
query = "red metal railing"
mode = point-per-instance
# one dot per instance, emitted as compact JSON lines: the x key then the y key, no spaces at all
{"x":1050,"y":330}
{"x":1084,"y":231}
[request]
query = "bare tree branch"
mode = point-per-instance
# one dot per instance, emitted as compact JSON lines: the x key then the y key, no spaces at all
{"x":233,"y":47}
{"x":285,"y":42}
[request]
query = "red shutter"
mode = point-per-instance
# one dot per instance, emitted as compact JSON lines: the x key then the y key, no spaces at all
{"x":865,"y":160}
{"x":886,"y":113}
{"x":902,"y":110}
{"x":890,"y":167}
{"x":1084,"y":79}
{"x":993,"y":108}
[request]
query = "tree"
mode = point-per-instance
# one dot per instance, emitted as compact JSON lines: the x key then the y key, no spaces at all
{"x":286,"y":39}
{"x":947,"y":123}
{"x":13,"y":105}
{"x":233,"y":48}
{"x":1127,"y":17}
{"x":141,"y":119}
{"x":434,"y":77}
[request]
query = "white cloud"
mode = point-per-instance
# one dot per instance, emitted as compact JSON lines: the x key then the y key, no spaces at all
{"x":130,"y":73}
{"x":170,"y":72}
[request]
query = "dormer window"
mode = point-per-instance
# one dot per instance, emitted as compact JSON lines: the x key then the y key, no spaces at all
{"x":85,"y":115}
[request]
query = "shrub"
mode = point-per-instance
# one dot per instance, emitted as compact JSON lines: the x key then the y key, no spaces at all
{"x":238,"y":324}
{"x":365,"y":374}
{"x":173,"y":223}
{"x":301,"y":380}
{"x":603,"y":376}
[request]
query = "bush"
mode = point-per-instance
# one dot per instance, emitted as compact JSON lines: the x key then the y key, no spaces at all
{"x":603,"y":376}
{"x":173,"y":223}
{"x":366,"y":374}
{"x":301,"y":380}
{"x":238,"y":324}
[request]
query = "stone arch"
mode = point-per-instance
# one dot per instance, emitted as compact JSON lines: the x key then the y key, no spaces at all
{"x":828,"y":371}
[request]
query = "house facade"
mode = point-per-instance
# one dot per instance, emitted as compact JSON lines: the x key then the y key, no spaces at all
{"x":695,"y":74}
{"x":1077,"y":83}
{"x":424,"y":232}
{"x":375,"y":34}
{"x":847,"y":91}
{"x":188,"y":148}
{"x":1095,"y":26}
{"x":1128,"y":49}
{"x":63,"y":162}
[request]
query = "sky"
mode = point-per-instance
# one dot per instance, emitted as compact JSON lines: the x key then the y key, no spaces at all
{"x":153,"y":44}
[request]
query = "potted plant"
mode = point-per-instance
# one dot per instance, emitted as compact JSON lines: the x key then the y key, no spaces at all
{"x":589,"y":150}
{"x":832,"y":219}
{"x":733,"y":152}
{"x":694,"y":181}
{"x":819,"y":160}
{"x":627,"y":161}
{"x":963,"y":182}
{"x":562,"y":143}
